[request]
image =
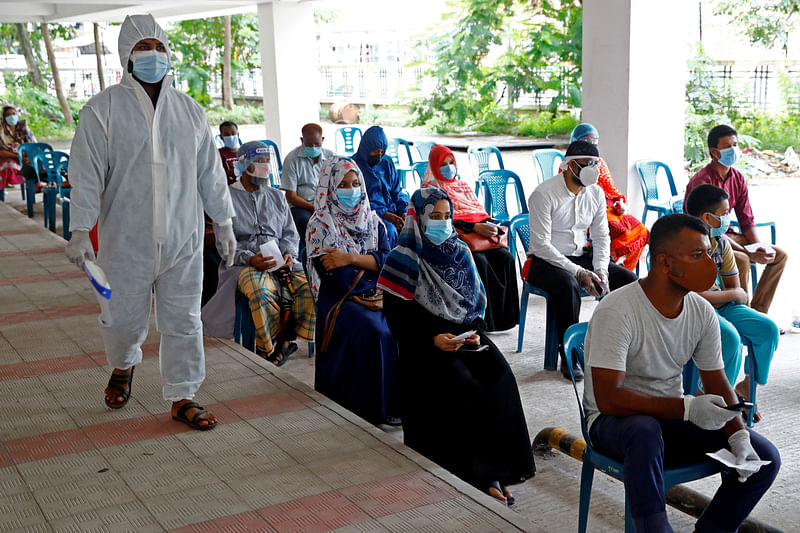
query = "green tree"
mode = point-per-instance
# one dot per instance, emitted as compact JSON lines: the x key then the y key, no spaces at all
{"x":488,"y":53}
{"x":765,"y":22}
{"x":200,"y":44}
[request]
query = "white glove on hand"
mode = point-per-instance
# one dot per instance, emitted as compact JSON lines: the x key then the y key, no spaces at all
{"x":707,"y":411}
{"x":226,"y":240}
{"x":743,"y":450}
{"x":587,"y":279}
{"x":79,"y":247}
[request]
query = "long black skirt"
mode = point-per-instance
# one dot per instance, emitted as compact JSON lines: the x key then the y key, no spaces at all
{"x":499,"y":276}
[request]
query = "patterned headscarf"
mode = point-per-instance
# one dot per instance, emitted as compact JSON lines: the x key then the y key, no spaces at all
{"x":353,"y":231}
{"x":443,"y":278}
{"x":465,"y":204}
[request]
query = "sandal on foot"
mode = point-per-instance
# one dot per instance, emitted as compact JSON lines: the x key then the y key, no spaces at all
{"x":496,"y":485}
{"x":115,"y":384}
{"x":194,"y":423}
{"x":510,"y":500}
{"x":281,"y":355}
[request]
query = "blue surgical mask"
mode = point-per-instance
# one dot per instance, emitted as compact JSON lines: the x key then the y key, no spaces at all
{"x":724,"y":224}
{"x":312,"y":151}
{"x":438,"y":231}
{"x":349,"y":198}
{"x":231,"y":141}
{"x":729,"y":156}
{"x":12,"y":120}
{"x":150,"y":66}
{"x":448,"y":172}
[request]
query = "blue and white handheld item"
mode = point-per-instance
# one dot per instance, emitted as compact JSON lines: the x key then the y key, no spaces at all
{"x":98,"y":279}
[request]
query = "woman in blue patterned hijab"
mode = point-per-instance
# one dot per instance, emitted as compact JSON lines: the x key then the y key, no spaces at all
{"x":441,"y":277}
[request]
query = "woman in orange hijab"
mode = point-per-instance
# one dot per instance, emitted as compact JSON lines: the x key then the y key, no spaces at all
{"x":495,"y":266}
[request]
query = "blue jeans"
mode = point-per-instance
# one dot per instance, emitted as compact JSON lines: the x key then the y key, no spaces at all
{"x":645,"y":445}
{"x":735,"y":320}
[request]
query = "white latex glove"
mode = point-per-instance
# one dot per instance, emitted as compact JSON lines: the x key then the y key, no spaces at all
{"x":587,"y":280}
{"x":79,"y":247}
{"x":707,"y":411}
{"x":743,"y":450}
{"x":226,"y":240}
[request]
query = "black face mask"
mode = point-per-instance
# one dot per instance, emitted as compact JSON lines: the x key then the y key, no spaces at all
{"x":373,"y":160}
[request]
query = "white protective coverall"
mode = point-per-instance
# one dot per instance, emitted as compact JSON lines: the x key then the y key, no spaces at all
{"x":148,"y":173}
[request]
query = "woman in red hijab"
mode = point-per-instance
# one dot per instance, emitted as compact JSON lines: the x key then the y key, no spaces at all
{"x":495,"y":266}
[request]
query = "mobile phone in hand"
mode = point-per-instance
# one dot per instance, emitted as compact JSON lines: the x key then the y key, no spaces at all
{"x":474,"y":347}
{"x":740,"y":406}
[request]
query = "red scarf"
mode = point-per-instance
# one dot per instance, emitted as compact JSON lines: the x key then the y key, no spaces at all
{"x":466,"y":206}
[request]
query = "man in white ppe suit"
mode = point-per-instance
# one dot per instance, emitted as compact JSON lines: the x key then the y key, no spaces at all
{"x":144,"y":166}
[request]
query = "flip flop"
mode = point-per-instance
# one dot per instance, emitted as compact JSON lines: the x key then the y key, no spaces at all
{"x":114,"y":383}
{"x":496,"y":485}
{"x":194,"y":422}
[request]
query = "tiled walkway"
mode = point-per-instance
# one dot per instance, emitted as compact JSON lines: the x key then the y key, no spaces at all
{"x":285,"y":455}
{"x":283,"y":459}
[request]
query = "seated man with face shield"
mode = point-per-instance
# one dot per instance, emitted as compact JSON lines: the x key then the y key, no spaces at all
{"x":280,"y":299}
{"x":561,"y":259}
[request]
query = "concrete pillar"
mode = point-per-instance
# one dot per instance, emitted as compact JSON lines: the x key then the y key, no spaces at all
{"x":634,"y":85}
{"x":289,"y":70}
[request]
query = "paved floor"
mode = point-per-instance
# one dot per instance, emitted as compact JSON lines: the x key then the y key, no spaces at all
{"x":283,"y":459}
{"x":286,"y":454}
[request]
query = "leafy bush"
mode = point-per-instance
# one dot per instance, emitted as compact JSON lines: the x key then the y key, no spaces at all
{"x":240,"y":114}
{"x":544,"y":124}
{"x":774,"y":132}
{"x":39,"y":108}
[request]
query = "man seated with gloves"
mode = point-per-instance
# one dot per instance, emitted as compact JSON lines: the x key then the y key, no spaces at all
{"x":144,"y":166}
{"x":638,"y":341}
{"x":561,"y":259}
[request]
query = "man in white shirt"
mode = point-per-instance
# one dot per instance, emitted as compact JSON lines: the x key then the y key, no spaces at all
{"x":638,"y":341}
{"x":562,"y":262}
{"x":301,"y":175}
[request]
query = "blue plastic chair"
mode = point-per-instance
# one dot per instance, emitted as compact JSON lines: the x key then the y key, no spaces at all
{"x":394,"y":152}
{"x":346,"y":140}
{"x":424,"y":148}
{"x":62,"y":172}
{"x":573,"y":343}
{"x":494,"y":184}
{"x":31,"y":149}
{"x":418,"y":170}
{"x":753,"y":264}
{"x":648,"y":173}
{"x":275,"y":182}
{"x":545,"y":161}
{"x":520,"y":229}
{"x":480,"y":159}
{"x":244,"y":330}
{"x":691,"y":377}
{"x":45,"y":164}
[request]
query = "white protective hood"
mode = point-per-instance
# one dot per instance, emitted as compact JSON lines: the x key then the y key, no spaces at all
{"x":134,"y":29}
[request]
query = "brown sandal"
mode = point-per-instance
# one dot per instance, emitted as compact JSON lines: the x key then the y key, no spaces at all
{"x":115,"y":384}
{"x":194,"y":423}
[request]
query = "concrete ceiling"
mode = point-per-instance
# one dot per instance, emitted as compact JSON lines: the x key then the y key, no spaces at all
{"x":116,"y":10}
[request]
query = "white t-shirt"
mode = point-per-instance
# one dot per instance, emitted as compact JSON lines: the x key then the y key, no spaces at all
{"x":626,"y":333}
